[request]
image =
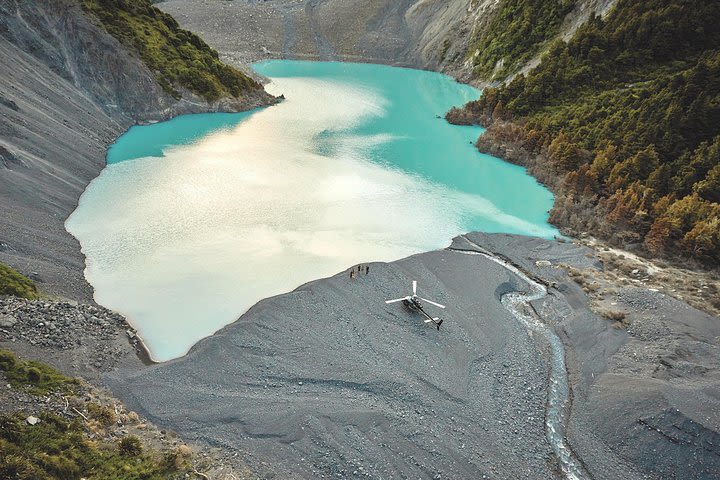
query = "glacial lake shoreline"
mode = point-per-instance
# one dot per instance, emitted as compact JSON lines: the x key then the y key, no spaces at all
{"x":204,"y":208}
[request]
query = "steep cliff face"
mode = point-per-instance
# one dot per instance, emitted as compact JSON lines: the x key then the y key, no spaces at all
{"x":67,"y":89}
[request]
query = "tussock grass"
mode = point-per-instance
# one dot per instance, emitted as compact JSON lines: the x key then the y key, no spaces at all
{"x":34,"y":377}
{"x":14,"y":283}
{"x":58,"y":449}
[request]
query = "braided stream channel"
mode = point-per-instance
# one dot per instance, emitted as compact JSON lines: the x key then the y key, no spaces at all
{"x":558,"y":396}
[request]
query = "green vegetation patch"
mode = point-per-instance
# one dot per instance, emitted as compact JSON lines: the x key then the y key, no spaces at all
{"x":35,"y":377}
{"x":14,"y":283}
{"x":516,"y":33}
{"x":629,"y":112}
{"x":177,"y":57}
{"x":58,"y":449}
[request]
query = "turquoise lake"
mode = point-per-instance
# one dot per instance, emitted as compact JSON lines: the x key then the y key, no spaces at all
{"x":196,"y":219}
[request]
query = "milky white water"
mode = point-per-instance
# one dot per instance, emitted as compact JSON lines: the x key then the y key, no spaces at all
{"x":197,"y":220}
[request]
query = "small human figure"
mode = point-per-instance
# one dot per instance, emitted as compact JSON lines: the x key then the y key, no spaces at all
{"x":367,"y":269}
{"x":352,"y":273}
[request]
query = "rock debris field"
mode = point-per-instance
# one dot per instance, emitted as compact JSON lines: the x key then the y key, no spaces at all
{"x":77,"y":338}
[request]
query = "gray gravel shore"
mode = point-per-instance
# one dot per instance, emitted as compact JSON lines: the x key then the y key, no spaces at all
{"x":328,"y":381}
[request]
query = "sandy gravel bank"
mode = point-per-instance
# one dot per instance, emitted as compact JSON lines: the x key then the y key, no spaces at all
{"x":328,"y":380}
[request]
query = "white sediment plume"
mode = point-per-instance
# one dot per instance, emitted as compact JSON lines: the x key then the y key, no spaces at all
{"x":184,"y":243}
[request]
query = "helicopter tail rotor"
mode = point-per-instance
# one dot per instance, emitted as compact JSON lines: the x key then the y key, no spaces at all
{"x":436,"y":321}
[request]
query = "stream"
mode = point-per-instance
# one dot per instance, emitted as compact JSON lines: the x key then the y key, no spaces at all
{"x":558,"y":398}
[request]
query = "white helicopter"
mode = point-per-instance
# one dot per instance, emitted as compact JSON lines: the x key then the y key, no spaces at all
{"x":412,"y":302}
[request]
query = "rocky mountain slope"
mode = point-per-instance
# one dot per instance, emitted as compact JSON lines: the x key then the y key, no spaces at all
{"x":381,"y":32}
{"x":67,"y":89}
{"x":433,"y":34}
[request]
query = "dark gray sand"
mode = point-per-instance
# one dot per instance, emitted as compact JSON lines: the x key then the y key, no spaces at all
{"x":329,"y":381}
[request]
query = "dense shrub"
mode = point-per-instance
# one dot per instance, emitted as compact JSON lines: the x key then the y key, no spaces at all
{"x":130,"y":446}
{"x":629,"y":111}
{"x":516,"y":33}
{"x":7,"y":360}
{"x":104,"y":415}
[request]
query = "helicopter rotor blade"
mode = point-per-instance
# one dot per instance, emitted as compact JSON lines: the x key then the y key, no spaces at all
{"x":396,"y":300}
{"x":432,"y":303}
{"x":428,"y":321}
{"x":414,"y":287}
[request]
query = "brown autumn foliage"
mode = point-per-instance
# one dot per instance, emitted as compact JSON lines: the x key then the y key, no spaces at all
{"x":622,"y":122}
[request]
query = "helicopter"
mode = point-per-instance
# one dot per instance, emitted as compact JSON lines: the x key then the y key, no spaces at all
{"x":412,"y":302}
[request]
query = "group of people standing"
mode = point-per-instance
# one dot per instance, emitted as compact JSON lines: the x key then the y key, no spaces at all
{"x":355,"y":271}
